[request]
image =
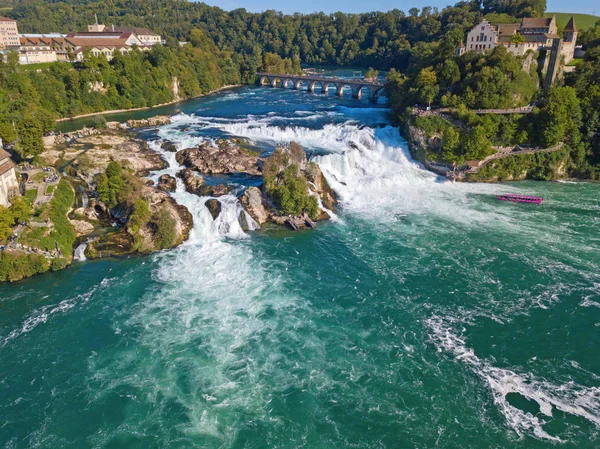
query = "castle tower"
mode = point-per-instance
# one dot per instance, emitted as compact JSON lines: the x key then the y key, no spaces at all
{"x":570,"y":31}
{"x":569,"y":41}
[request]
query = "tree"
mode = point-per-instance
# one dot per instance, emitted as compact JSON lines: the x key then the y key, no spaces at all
{"x":560,"y":117}
{"x":427,"y":87}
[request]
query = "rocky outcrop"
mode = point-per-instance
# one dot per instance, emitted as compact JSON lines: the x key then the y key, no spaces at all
{"x":226,"y":158}
{"x":91,"y":154}
{"x":319,"y":185}
{"x":59,"y":139}
{"x":158,"y":200}
{"x":159,"y":120}
{"x":169,"y":146}
{"x":89,"y":213}
{"x":82,"y":227}
{"x":252,"y":200}
{"x":214,"y":207}
{"x":167,"y":183}
{"x":194,"y":183}
{"x":287,"y":172}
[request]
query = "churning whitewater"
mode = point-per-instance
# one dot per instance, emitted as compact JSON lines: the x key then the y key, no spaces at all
{"x":426,"y":315}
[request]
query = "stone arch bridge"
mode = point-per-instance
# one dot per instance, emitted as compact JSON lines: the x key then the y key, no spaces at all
{"x":358,"y":86}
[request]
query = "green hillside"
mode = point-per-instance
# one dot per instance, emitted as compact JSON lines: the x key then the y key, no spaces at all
{"x":582,"y":21}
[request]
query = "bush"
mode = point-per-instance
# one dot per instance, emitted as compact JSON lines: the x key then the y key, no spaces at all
{"x":291,"y":194}
{"x":14,"y":267}
{"x":164,"y":229}
{"x":137,"y":220}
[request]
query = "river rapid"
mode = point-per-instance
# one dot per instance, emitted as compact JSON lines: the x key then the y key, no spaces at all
{"x":426,"y":314}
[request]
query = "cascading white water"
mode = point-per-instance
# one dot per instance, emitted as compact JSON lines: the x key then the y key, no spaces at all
{"x":85,"y":202}
{"x":227,"y":223}
{"x":79,"y":253}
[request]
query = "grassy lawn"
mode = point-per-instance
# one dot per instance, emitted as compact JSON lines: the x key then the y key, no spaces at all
{"x":62,"y":232}
{"x":582,"y":21}
{"x":575,"y":62}
{"x":41,"y":65}
{"x":39,"y":177}
{"x":30,"y":195}
{"x":50,"y":189}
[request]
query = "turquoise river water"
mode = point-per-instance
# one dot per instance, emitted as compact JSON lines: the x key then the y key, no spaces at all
{"x":426,"y":315}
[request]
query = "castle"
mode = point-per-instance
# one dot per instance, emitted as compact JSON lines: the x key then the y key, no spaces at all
{"x":531,"y":34}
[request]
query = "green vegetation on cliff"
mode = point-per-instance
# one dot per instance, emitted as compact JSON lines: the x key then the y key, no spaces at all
{"x":14,"y":267}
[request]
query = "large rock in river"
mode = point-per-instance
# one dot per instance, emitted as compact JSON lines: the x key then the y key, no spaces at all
{"x":167,"y":183}
{"x":193,"y":182}
{"x":253,"y":203}
{"x":214,"y":207}
{"x":217,"y":160}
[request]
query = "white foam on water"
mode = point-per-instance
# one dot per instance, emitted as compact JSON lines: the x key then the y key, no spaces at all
{"x":569,"y":398}
{"x":42,"y":314}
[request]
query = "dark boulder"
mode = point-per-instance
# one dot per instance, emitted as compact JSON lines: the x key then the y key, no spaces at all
{"x":167,"y":183}
{"x":214,"y":207}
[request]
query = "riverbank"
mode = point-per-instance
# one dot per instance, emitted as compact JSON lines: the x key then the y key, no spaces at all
{"x":146,"y":108}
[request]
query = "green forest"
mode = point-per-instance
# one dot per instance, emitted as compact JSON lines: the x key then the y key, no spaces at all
{"x":375,"y":39}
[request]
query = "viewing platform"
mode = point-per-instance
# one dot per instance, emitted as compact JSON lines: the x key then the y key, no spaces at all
{"x":358,"y":86}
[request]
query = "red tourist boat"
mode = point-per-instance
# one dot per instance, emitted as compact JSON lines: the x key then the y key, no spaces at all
{"x":520,"y":198}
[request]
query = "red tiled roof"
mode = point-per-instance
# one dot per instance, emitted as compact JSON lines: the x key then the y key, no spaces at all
{"x":6,"y":19}
{"x":508,"y":29}
{"x":95,"y":34}
{"x":4,"y":154}
{"x":536,"y":22}
{"x":100,"y":43}
{"x":6,"y":167}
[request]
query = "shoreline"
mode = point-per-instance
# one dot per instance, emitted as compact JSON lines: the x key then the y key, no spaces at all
{"x":120,"y":111}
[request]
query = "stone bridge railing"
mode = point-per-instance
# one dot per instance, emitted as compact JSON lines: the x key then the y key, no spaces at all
{"x":312,"y":81}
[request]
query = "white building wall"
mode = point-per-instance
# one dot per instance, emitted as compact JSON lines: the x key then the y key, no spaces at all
{"x":8,"y":181}
{"x":482,"y":37}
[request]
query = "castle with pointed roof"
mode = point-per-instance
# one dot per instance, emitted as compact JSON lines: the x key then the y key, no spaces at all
{"x":532,"y":34}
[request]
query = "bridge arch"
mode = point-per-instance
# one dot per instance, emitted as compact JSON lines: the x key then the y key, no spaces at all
{"x":265,"y":80}
{"x":313,"y":84}
{"x":326,"y":85}
{"x":298,"y":84}
{"x":341,"y":87}
{"x":274,"y":80}
{"x":285,"y":81}
{"x":374,"y":91}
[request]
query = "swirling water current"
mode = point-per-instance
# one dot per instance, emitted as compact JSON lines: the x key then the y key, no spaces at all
{"x":428,"y":314}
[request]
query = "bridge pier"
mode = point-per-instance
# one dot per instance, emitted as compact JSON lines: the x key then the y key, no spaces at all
{"x":339,"y":90}
{"x":356,"y":92}
{"x":274,"y":82}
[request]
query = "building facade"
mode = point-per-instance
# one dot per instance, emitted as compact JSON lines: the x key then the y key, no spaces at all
{"x":9,"y":186}
{"x":533,"y":34}
{"x":482,"y":37}
{"x":9,"y":34}
{"x":36,"y":50}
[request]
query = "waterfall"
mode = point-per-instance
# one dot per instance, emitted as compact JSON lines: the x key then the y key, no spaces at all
{"x":85,"y":202}
{"x":79,"y":253}
{"x":227,"y":223}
